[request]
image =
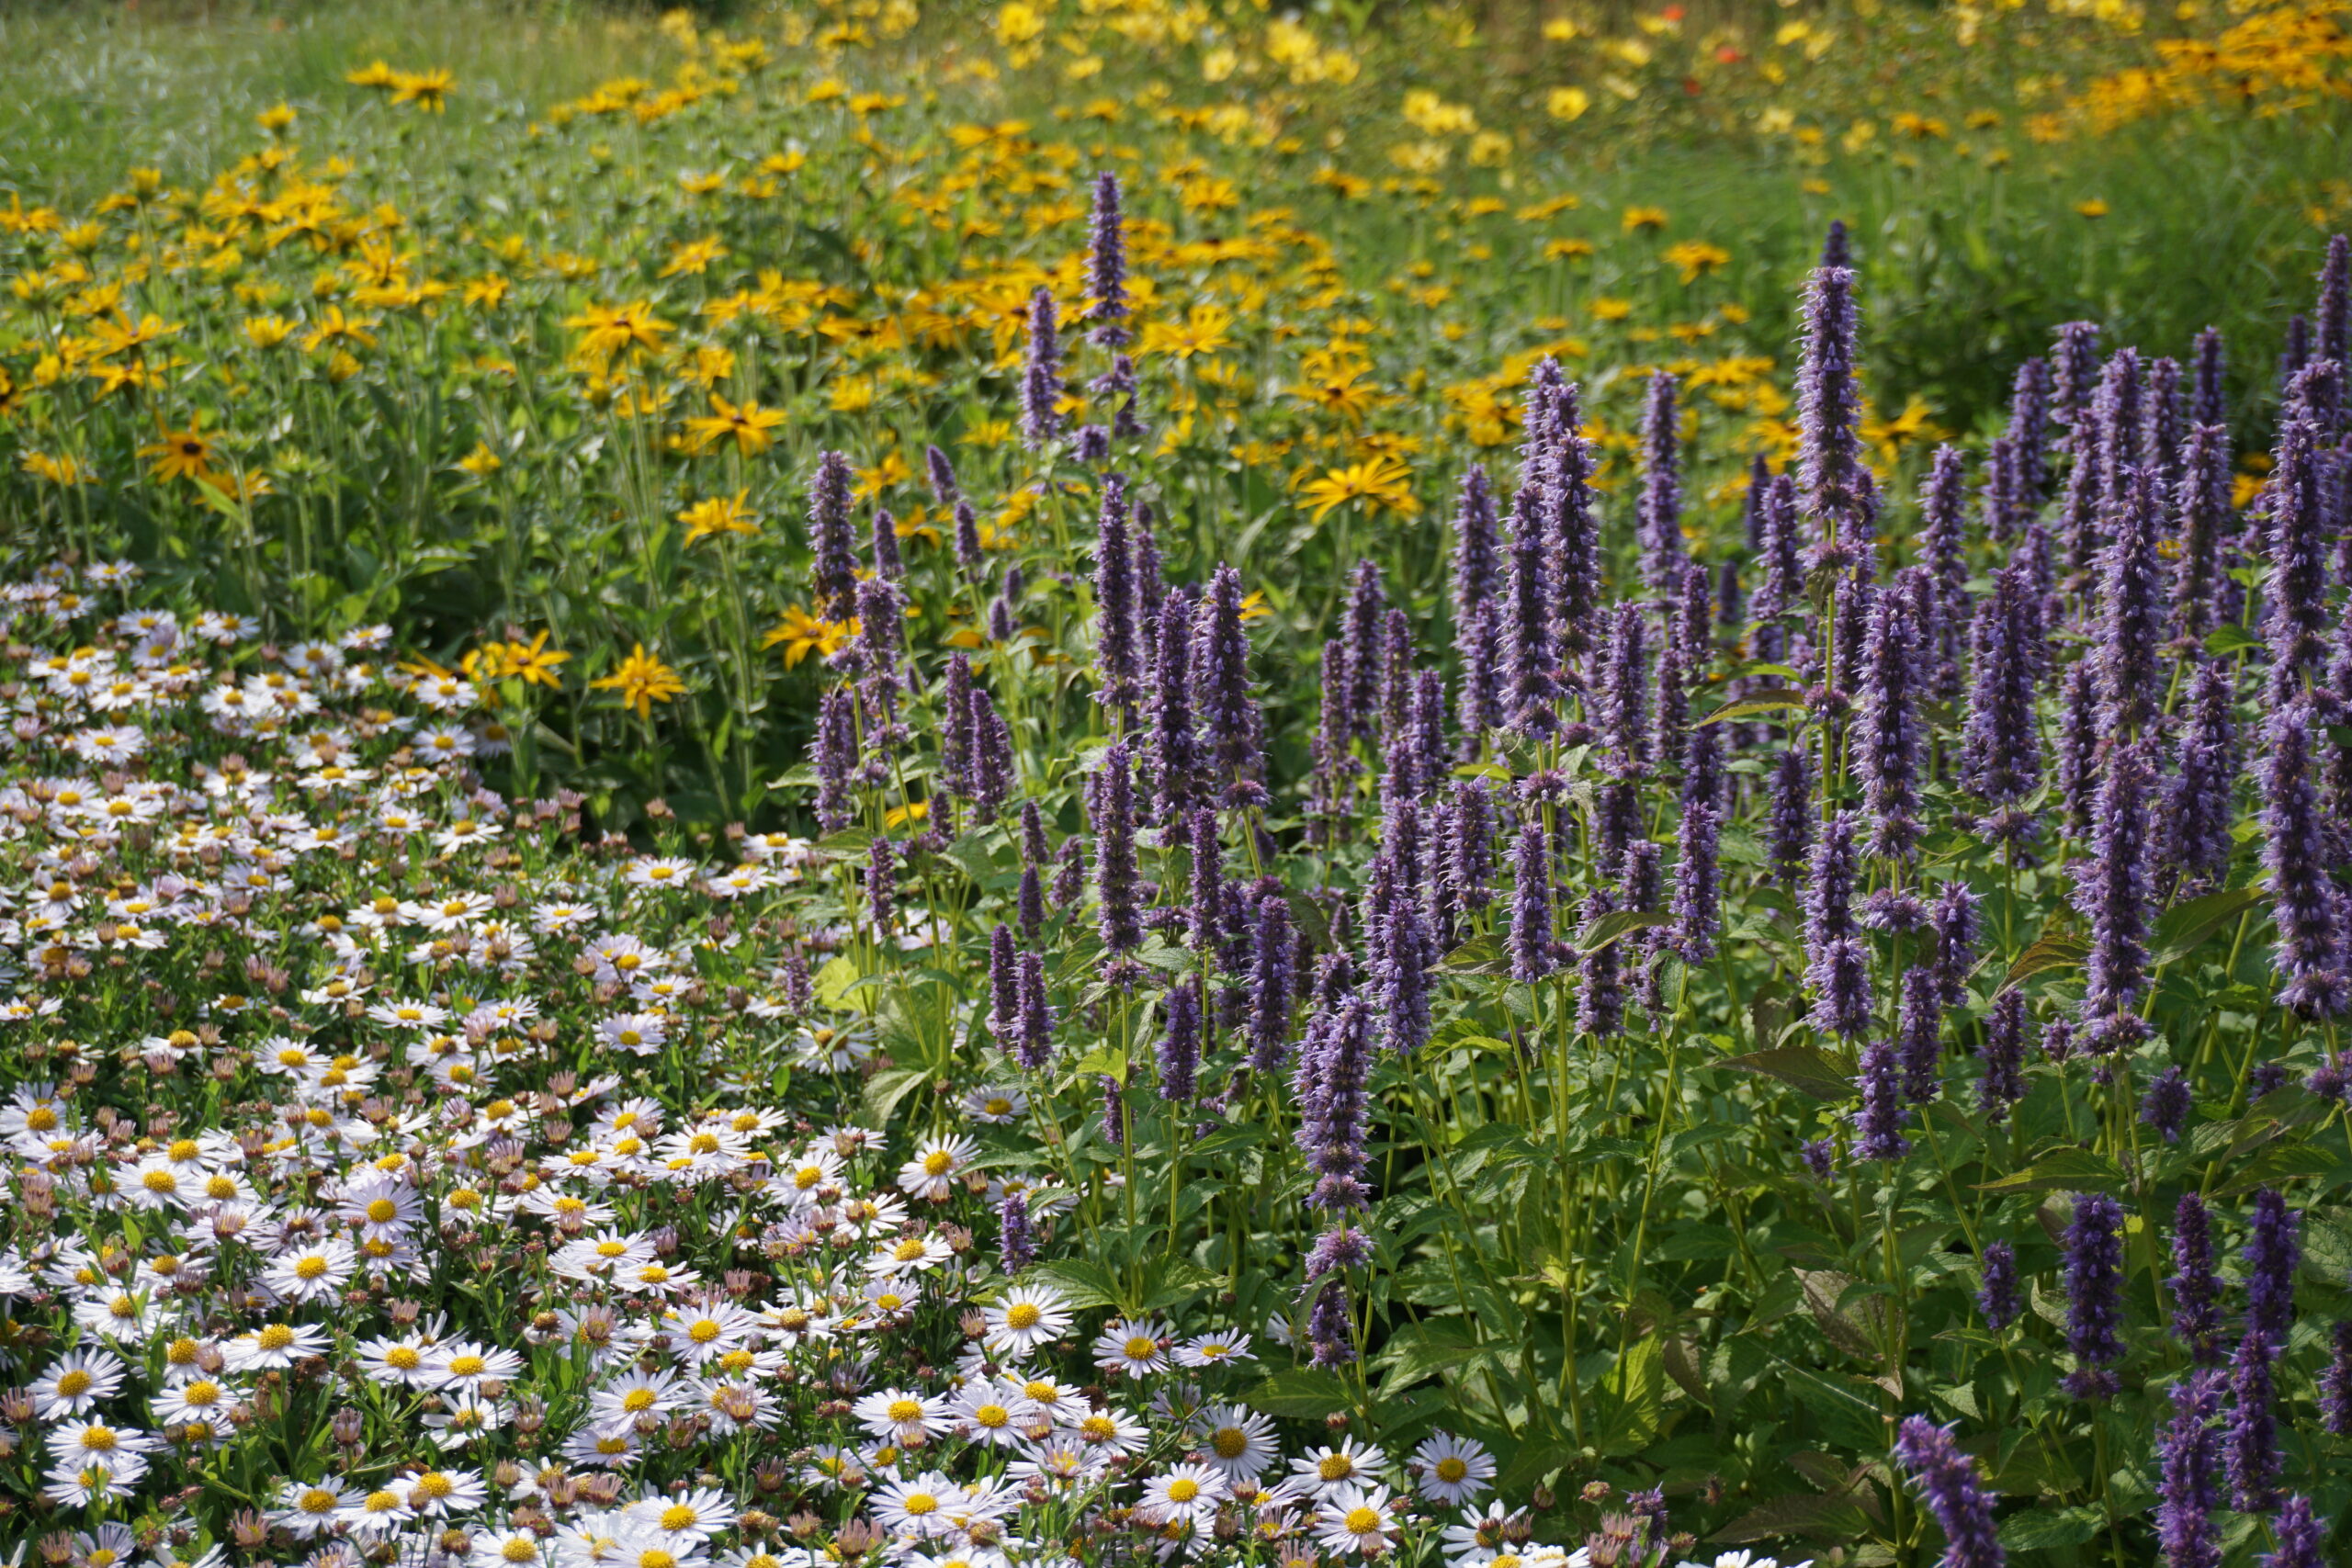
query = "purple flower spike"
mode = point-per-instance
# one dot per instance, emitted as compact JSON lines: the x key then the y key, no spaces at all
{"x":1659,"y":525}
{"x":2187,"y":1461}
{"x":2195,"y":1293}
{"x":1878,"y":1125}
{"x":1530,"y":920}
{"x":2295,"y":848}
{"x":833,"y":575}
{"x":2251,"y":1444}
{"x":1998,"y":1297}
{"x":1948,"y":1483}
{"x":2094,"y":1295}
{"x":2300,"y":1534}
{"x":1106,"y":264}
{"x":1040,"y":374}
{"x":1180,"y":1044}
{"x":1829,"y":408}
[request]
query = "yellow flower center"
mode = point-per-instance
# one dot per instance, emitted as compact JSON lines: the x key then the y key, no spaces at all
{"x":1183,"y":1489}
{"x":1363,"y":1521}
{"x":405,"y":1358}
{"x":383,"y":1212}
{"x":276,"y":1336}
{"x":467,"y":1366}
{"x":75,"y":1383}
{"x":920,"y":1503}
{"x":1450,"y":1469}
{"x":1024,"y":1314}
{"x":1231,"y":1442}
{"x":1338,"y":1467}
{"x":1141,"y":1349}
{"x":992,"y":1417}
{"x":311,"y":1267}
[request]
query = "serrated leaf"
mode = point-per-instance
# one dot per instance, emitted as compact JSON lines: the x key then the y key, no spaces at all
{"x":1804,"y":1067}
{"x":2228,"y":640}
{"x":2061,"y":1170}
{"x":849,"y":842}
{"x":1610,"y":928}
{"x":884,"y":1091}
{"x":1748,"y":707}
{"x":1302,"y":1391}
{"x":2186,"y":927}
{"x":2053,"y":952}
{"x":1826,"y":1518}
{"x":1082,"y":1285}
{"x":2042,"y":1529}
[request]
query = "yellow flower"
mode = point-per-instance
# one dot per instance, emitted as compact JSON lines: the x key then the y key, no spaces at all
{"x":1203,"y":330}
{"x":533,"y":662}
{"x":1696,"y":258}
{"x":59,"y":470}
{"x":267,"y":332}
{"x":182,"y":455}
{"x":609,"y":330}
{"x":1645,"y":220}
{"x":642,"y":680}
{"x":428,"y":90}
{"x":746,"y":424}
{"x":482,"y":462}
{"x":800,"y":634}
{"x":1382,"y":483}
{"x":718,"y":514}
{"x":695,"y":256}
{"x":2092,"y":208}
{"x":1567,"y":102}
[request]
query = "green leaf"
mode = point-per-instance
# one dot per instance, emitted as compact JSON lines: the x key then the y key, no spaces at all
{"x":1422,"y":1349}
{"x":1829,"y":1519}
{"x":2042,"y":1529}
{"x":2063,"y":1170}
{"x":1748,"y":707}
{"x":833,"y":979}
{"x":884,"y":1091}
{"x":1533,"y":1461}
{"x":1083,"y":1285}
{"x":2228,"y":640}
{"x":846,"y":844}
{"x":2279,"y":1163}
{"x":1484,"y":955}
{"x":1805,"y":1068}
{"x":1302,"y":1391}
{"x":2185,"y":927}
{"x":1636,"y":1389}
{"x":1609,"y":928}
{"x":2053,"y":952}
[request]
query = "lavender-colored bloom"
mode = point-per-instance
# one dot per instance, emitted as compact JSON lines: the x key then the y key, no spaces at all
{"x":1698,"y":885}
{"x":2115,"y":892}
{"x":1820,"y":1157}
{"x":1530,"y":921}
{"x":881,"y":884}
{"x":2073,"y":371}
{"x":2081,"y":506}
{"x":2251,"y":1444}
{"x":881,"y":616}
{"x":2336,"y":1384}
{"x":1954,"y":919}
{"x":2299,"y":1535}
{"x":1115,"y":854}
{"x":1781,"y":552}
{"x":1469,"y":848}
{"x":1106,"y":264}
{"x":1477,"y":548}
{"x":2203,"y":808}
{"x":2295,"y":850}
{"x":1576,"y":541}
{"x":834,"y":753}
{"x":1331,"y":1335}
{"x":956,"y":725}
{"x":1114,"y":1110}
{"x":1998,"y":503}
{"x":1998,"y":1298}
{"x":2116,"y":415}
{"x":1205,"y":910}
{"x":1332,"y":1106}
{"x":832,"y":579}
{"x":1601,"y":997}
{"x":2330,"y":338}
{"x":1069,"y":873}
{"x":2296,"y":587}
{"x":1232,"y":725}
{"x":2294,"y":353}
{"x":992,"y":764}
{"x":2027,"y":435}
{"x":2208,"y":395}
{"x":1835,"y":249}
{"x":2195,"y":1293}
{"x":1829,"y":410}
{"x":1659,"y":524}
{"x":1180,"y":1043}
{"x":1029,"y":905}
{"x":1040,"y":374}
{"x":1789,"y":820}
{"x":1948,"y":1485}
{"x":1889,"y":735}
{"x":1016,"y":1236}
{"x":1480,"y":707}
{"x":2187,"y":1459}
{"x":2165,"y":1105}
{"x":2078,"y":771}
{"x":1271,"y":976}
{"x":1837,"y":961}
{"x":1643,"y":880}
{"x":1035,"y":1047}
{"x":1617,"y":821}
{"x":1332,"y":798}
{"x":886,"y":544}
{"x":1622,"y":695}
{"x":967,"y":538}
{"x":2003,"y":1053}
{"x":1918,"y":1034}
{"x":2161,"y":423}
{"x":1402,"y":977}
{"x":1427,"y":741}
{"x":940,"y":472}
{"x":1004,"y":985}
{"x":1851,"y":598}
{"x":1173,"y":754}
{"x":2094,"y":1295}
{"x":1531,"y":660}
{"x":2272,"y":1252}
{"x":1943,"y":510}
{"x":1878,"y":1125}
{"x":1673,"y":703}
{"x":2131,"y":606}
{"x":1118,"y":659}
{"x":1336,"y":1250}
{"x":1397,"y":659}
{"x":1362,"y":630}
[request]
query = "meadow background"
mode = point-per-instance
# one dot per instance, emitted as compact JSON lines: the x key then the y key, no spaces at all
{"x":1398,"y":837}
